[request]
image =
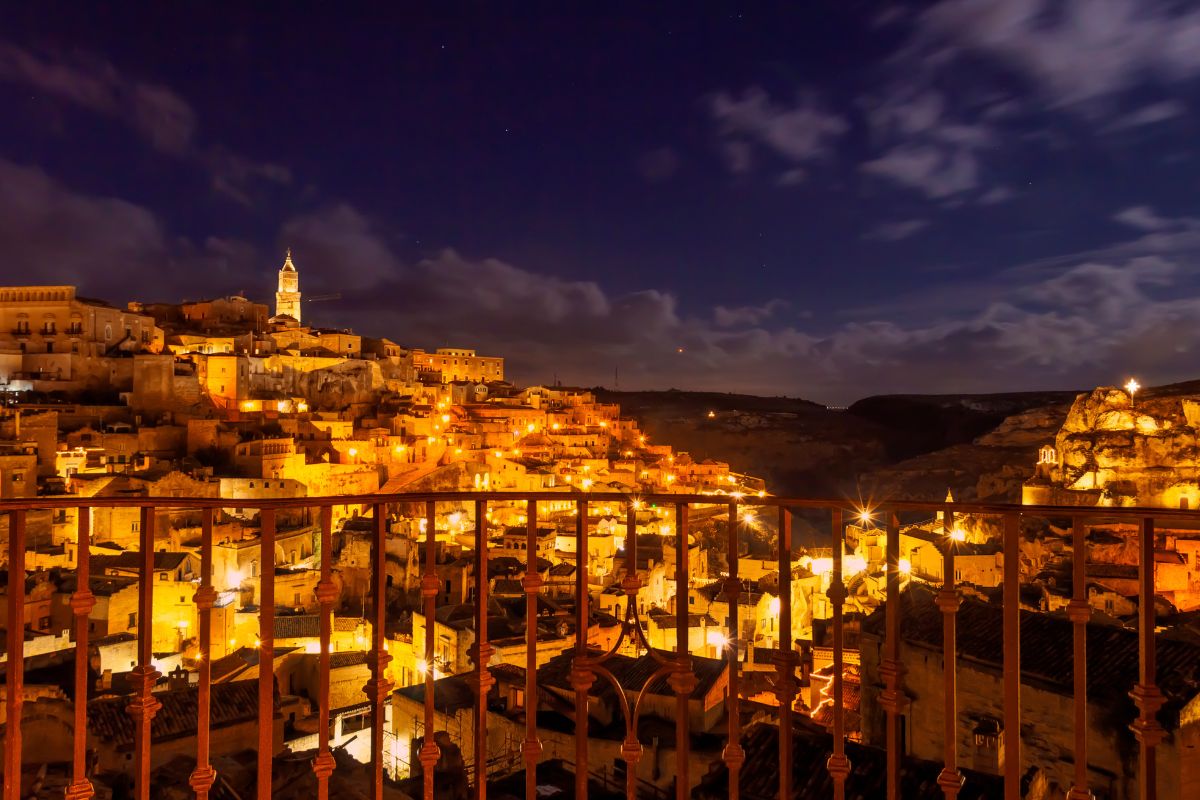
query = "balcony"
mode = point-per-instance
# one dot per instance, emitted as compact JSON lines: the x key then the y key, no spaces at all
{"x":854,"y":715}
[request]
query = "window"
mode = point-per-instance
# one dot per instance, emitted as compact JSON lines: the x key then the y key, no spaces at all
{"x":162,"y":576}
{"x":132,"y":620}
{"x":296,"y":599}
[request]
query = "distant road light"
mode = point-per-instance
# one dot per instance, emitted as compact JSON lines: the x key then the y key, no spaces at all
{"x":1132,"y":386}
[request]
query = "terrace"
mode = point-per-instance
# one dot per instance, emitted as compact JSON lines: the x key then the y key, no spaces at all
{"x":748,"y":758}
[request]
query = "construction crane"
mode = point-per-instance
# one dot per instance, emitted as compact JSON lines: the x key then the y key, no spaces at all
{"x":318,"y":298}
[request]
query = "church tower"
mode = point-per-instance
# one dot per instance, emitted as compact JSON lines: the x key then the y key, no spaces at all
{"x":287,"y":299}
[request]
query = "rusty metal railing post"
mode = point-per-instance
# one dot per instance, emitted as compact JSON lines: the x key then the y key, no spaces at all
{"x":1079,"y":611}
{"x":581,"y":674}
{"x":430,"y":753}
{"x":483,"y":680}
{"x":144,"y":705}
{"x":15,"y":669}
{"x":266,"y":653}
{"x":631,"y":748}
{"x":379,"y":688}
{"x":324,"y":764}
{"x":1146,"y":694}
{"x":891,"y":668}
{"x":203,"y":776}
{"x":733,"y":753}
{"x":839,"y":765}
{"x":82,"y":603}
{"x":1011,"y":616}
{"x":948,"y":601}
{"x":683,"y":679}
{"x":531,"y":748}
{"x":785,"y":660}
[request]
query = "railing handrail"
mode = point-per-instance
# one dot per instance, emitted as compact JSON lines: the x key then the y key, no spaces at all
{"x":770,"y":501}
{"x":674,"y":666}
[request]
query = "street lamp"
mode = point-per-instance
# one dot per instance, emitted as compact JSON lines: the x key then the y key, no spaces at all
{"x":1132,"y":388}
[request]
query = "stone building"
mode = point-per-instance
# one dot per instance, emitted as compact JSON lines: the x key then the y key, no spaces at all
{"x":456,"y":364}
{"x":1047,"y":704}
{"x":1111,"y":452}
{"x":52,"y":339}
{"x":287,"y":297}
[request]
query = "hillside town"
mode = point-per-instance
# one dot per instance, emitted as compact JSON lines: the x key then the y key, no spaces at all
{"x":227,"y":398}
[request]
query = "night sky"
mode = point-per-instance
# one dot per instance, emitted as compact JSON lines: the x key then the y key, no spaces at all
{"x":827,"y":199}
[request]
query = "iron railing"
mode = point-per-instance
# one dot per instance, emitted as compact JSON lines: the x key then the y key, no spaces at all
{"x":589,"y":665}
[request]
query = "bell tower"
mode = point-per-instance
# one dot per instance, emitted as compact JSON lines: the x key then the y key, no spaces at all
{"x":287,"y":299}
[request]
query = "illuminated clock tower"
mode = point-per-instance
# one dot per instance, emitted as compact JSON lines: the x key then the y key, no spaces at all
{"x":287,"y":299}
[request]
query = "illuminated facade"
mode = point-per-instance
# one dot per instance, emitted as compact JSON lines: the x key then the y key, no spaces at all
{"x":287,"y":298}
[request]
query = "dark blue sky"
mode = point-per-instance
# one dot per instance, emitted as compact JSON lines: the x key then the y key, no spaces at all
{"x":827,"y":199}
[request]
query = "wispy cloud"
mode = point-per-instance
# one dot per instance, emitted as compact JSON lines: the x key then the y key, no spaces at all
{"x":938,"y":172}
{"x":1144,"y":219}
{"x":800,"y":132}
{"x":895,"y":231}
{"x":1073,"y":51}
{"x":158,"y":115}
{"x":1148,"y":115}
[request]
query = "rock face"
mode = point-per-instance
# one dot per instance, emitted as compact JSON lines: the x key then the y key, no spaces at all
{"x":1112,"y":451}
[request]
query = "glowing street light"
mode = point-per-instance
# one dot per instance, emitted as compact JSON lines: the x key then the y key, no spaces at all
{"x":1132,"y":386}
{"x":864,"y":517}
{"x":958,"y":535}
{"x":718,"y":640}
{"x":904,"y":565}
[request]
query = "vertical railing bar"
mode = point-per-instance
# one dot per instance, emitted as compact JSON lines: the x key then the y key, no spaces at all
{"x":948,"y":600}
{"x":266,"y":652}
{"x":631,"y":748}
{"x":683,"y":679}
{"x":430,"y":753}
{"x":82,"y":603}
{"x":203,"y":776}
{"x":324,"y":764}
{"x":1012,"y":656}
{"x":892,"y":669}
{"x":1079,"y":611}
{"x":581,"y":674}
{"x":839,"y":765}
{"x":785,"y":659}
{"x":144,"y":705}
{"x":15,"y":669}
{"x":379,"y":687}
{"x":532,"y":747}
{"x":483,"y":650}
{"x":733,"y":754}
{"x":1146,"y":694}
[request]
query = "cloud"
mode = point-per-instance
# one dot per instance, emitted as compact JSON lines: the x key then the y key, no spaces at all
{"x":996,"y":195}
{"x":1072,"y":323}
{"x":798,"y":133}
{"x":106,"y":245}
{"x":659,"y":165}
{"x":747,"y":315}
{"x":895,"y":231}
{"x":935,"y":171}
{"x":1143,"y":218}
{"x":155,"y":113}
{"x":1073,"y":51}
{"x":1149,"y":115}
{"x":1065,"y":325}
{"x":159,"y":116}
{"x":927,"y":144}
